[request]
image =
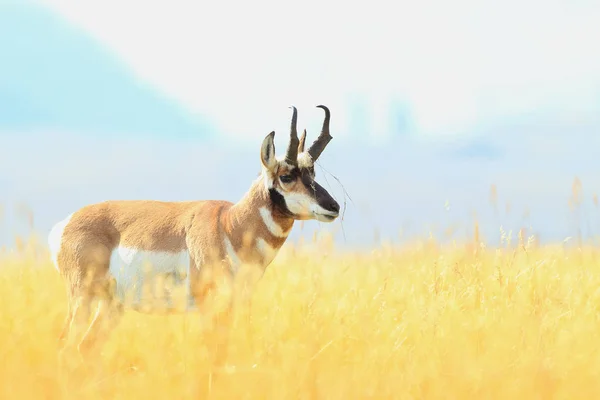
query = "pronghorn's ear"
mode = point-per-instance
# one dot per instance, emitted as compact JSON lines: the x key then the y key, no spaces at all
{"x":267,"y":152}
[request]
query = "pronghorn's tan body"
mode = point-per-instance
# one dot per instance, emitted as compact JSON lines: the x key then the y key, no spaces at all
{"x":108,"y":251}
{"x":116,"y":239}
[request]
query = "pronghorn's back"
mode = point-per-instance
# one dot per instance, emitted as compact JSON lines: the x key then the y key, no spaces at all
{"x":141,"y":224}
{"x":146,"y":225}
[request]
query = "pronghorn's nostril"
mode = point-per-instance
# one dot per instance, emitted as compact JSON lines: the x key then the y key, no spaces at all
{"x":334,"y":206}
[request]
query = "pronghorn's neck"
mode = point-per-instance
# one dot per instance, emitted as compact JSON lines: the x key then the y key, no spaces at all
{"x":254,"y":228}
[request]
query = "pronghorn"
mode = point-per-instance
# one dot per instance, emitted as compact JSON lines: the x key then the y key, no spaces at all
{"x":104,"y":250}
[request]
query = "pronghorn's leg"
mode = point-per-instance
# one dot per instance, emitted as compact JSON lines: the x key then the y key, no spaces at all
{"x":221,"y":334}
{"x":74,"y":305}
{"x":78,"y":317}
{"x":107,"y":315}
{"x":77,"y":311}
{"x":212,"y":291}
{"x":89,"y":335}
{"x":90,"y":290}
{"x":66,"y":325}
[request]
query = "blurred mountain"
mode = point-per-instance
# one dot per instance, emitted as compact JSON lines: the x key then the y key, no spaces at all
{"x":54,"y":77}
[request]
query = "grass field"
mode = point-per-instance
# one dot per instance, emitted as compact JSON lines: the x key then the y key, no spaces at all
{"x":421,"y":321}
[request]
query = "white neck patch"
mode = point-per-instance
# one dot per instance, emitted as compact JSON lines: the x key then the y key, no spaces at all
{"x":272,"y":226}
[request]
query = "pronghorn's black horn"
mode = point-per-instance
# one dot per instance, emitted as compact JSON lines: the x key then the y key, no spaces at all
{"x":291,"y":156}
{"x":319,"y":145}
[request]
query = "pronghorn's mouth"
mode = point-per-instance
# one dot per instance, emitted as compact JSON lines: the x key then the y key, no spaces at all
{"x":326,"y":217}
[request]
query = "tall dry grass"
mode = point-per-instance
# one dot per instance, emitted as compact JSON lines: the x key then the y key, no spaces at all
{"x":417,"y":322}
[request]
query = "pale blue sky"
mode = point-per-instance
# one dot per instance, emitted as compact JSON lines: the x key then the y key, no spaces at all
{"x":54,"y":76}
{"x":431,"y":103}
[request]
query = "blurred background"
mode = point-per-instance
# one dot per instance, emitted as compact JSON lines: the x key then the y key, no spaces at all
{"x":443,"y":113}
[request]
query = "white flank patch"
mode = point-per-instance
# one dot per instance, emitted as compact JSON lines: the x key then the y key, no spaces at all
{"x":266,"y":250}
{"x":272,"y":226}
{"x":55,"y":239}
{"x":152,"y":278}
{"x":234,"y":260}
{"x":304,"y":160}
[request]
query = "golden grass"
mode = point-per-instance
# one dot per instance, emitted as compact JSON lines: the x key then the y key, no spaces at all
{"x":417,"y":322}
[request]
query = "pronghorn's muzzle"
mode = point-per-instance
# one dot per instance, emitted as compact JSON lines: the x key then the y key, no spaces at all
{"x":329,"y":209}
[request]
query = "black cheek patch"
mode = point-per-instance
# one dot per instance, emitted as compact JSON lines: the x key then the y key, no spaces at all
{"x":278,"y":202}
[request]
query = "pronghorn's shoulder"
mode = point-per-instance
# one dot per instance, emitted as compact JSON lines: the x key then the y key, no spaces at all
{"x":205,"y":207}
{"x":208,"y":215}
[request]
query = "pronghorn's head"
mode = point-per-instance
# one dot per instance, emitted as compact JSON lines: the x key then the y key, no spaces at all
{"x":291,"y":181}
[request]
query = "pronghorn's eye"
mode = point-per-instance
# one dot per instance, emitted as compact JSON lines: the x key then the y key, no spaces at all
{"x":286,"y":178}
